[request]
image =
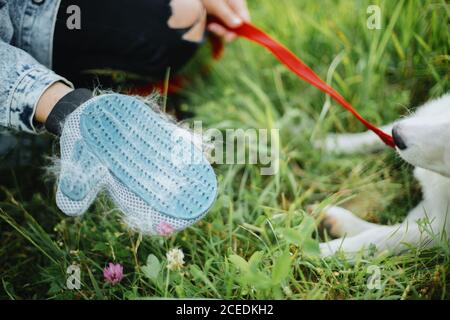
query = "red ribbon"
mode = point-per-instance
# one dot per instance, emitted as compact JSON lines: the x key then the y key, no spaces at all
{"x":298,"y":67}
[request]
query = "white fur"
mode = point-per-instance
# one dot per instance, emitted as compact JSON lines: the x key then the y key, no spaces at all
{"x":426,"y":134}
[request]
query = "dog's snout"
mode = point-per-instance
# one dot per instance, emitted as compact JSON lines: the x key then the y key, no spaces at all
{"x":398,"y":139}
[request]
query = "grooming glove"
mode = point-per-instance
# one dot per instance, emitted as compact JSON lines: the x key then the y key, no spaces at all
{"x":150,"y":167}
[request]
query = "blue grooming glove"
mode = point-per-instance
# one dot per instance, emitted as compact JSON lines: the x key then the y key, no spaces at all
{"x":149,"y":166}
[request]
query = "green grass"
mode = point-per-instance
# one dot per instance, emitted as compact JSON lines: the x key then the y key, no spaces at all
{"x":256,"y":241}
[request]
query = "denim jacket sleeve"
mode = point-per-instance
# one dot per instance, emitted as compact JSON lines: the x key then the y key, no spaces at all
{"x":22,"y":79}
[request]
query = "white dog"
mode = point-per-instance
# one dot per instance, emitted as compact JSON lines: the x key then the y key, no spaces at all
{"x":423,"y":140}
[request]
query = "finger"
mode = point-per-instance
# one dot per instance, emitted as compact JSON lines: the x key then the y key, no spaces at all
{"x":241,"y":9}
{"x":217,"y":29}
{"x":222,"y":32}
{"x":223,"y":11}
{"x":230,"y":36}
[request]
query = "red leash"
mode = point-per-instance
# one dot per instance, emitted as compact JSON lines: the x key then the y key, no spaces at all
{"x":298,"y":67}
{"x":286,"y":57}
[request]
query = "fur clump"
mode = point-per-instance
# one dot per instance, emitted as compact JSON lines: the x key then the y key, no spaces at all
{"x":53,"y":168}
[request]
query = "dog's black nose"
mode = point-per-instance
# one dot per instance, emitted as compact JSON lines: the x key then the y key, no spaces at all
{"x":399,"y":142}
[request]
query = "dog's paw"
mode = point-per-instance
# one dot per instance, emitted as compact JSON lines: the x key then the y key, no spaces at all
{"x":330,"y":248}
{"x":340,"y":222}
{"x":325,"y":250}
{"x":349,"y":143}
{"x":336,"y":143}
{"x":332,"y":221}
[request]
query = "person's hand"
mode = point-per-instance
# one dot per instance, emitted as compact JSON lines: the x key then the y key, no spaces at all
{"x":232,"y":12}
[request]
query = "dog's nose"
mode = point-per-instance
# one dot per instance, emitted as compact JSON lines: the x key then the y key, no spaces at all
{"x":399,"y":142}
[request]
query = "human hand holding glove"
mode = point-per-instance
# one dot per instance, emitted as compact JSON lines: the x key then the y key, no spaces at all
{"x":148,"y":165}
